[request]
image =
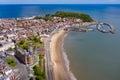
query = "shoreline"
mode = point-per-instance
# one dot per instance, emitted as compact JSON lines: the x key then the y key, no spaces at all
{"x":59,"y":58}
{"x":67,"y":61}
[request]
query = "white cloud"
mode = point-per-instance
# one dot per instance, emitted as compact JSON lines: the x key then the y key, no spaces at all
{"x":57,"y":1}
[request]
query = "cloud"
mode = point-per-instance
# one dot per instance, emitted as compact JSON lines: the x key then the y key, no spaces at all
{"x":58,"y":1}
{"x":111,"y":1}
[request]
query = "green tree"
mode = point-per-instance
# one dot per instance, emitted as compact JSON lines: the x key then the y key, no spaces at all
{"x":31,"y":78}
{"x":38,"y":73}
{"x":11,"y":62}
{"x":22,"y":42}
{"x":36,"y":39}
{"x":10,"y":49}
{"x":39,"y":78}
{"x":37,"y":70}
{"x":37,"y":17}
{"x":82,"y":16}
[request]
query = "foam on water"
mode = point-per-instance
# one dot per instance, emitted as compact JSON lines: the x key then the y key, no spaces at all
{"x":67,"y":62}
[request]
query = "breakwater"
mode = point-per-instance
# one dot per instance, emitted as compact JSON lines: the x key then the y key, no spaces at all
{"x":80,"y":27}
{"x":100,"y":25}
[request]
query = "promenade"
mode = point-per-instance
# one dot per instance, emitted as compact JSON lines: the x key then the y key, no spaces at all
{"x":48,"y":61}
{"x":56,"y":68}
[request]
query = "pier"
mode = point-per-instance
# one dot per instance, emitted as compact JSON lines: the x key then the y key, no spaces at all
{"x":80,"y":28}
{"x":100,"y":25}
{"x":99,"y":28}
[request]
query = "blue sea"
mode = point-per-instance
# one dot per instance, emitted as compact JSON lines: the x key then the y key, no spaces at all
{"x":92,"y":55}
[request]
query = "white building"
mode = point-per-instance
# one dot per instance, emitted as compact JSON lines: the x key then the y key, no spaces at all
{"x":11,"y":36}
{"x":5,"y":46}
{"x":6,"y":72}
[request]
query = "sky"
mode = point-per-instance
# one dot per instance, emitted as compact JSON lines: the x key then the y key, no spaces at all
{"x":59,"y":1}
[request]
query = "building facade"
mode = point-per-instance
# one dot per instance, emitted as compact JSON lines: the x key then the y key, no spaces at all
{"x":6,"y":72}
{"x":25,"y":56}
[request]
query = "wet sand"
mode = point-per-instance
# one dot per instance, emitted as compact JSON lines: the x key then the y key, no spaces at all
{"x":60,"y":69}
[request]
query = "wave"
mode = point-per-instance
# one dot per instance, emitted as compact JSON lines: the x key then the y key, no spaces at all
{"x":67,"y":62}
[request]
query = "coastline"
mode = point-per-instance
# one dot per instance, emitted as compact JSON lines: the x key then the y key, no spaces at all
{"x":109,"y":43}
{"x":59,"y":58}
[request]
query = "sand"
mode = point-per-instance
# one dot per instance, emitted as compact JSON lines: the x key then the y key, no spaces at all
{"x":60,"y":69}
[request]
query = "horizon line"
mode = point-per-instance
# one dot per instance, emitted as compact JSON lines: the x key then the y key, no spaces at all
{"x":63,"y":4}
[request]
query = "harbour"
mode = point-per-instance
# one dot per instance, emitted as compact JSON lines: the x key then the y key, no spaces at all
{"x":98,"y":25}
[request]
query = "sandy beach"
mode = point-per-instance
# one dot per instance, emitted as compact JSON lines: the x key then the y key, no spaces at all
{"x":60,"y":69}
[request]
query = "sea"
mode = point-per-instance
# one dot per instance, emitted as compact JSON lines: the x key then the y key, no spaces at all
{"x":92,"y":55}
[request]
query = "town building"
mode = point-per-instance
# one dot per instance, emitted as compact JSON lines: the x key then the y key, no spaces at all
{"x":6,"y":45}
{"x":6,"y":72}
{"x":25,"y":56}
{"x":40,"y":51}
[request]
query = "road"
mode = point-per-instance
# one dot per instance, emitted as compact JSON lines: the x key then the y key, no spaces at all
{"x":22,"y":71}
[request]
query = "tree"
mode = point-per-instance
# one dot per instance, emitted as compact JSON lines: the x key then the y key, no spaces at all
{"x":31,"y":78}
{"x":36,"y":39}
{"x":25,"y":47}
{"x":37,"y":17}
{"x":22,"y":42}
{"x":10,"y":49}
{"x":82,"y":16}
{"x":37,"y":70}
{"x":39,"y":78}
{"x":11,"y":62}
{"x":38,"y":73}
